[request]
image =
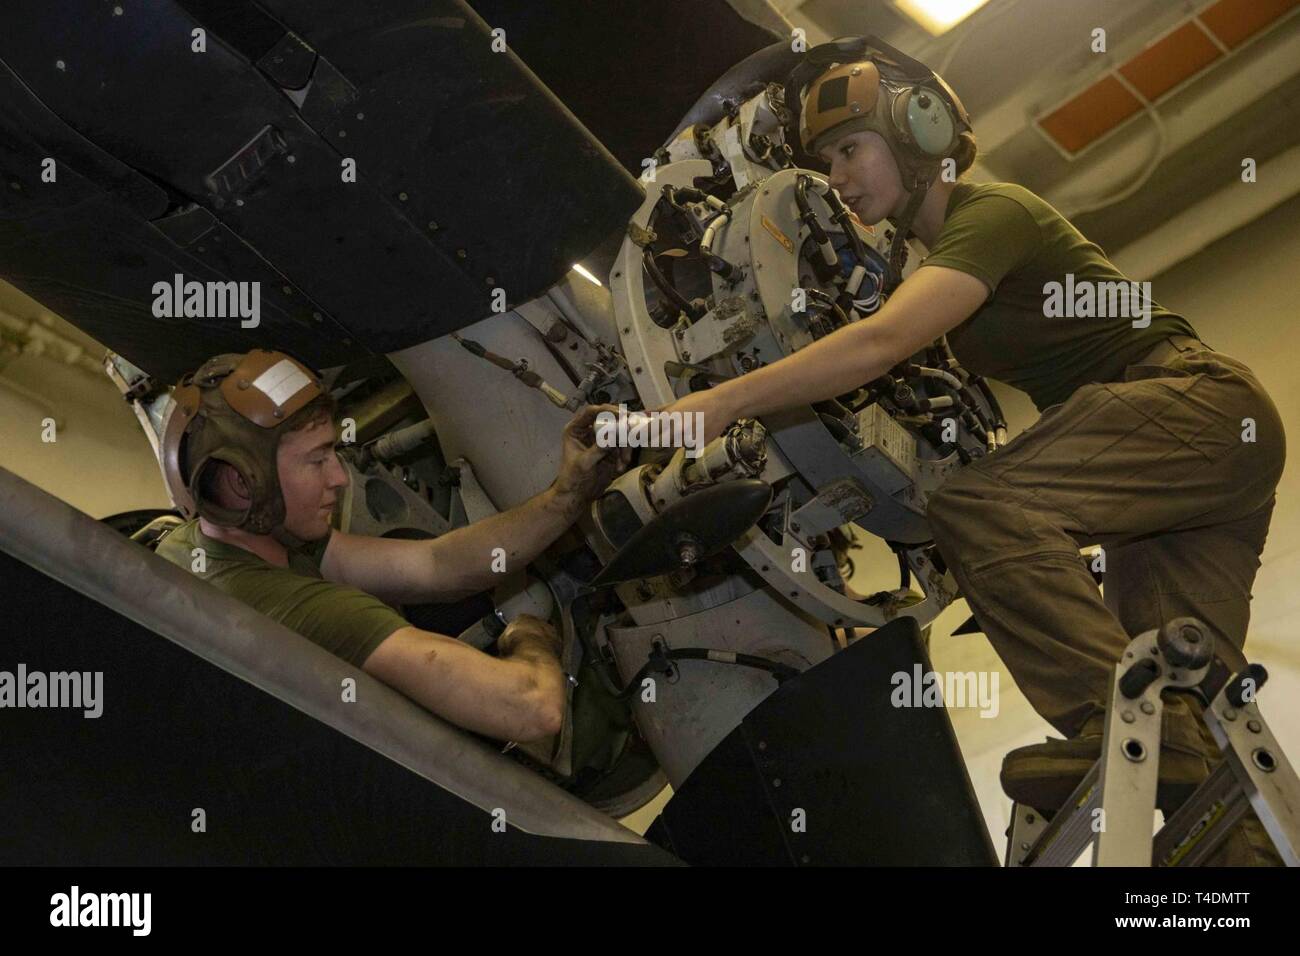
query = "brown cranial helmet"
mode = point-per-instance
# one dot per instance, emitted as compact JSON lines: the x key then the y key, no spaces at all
{"x":233,"y":410}
{"x":861,"y":83}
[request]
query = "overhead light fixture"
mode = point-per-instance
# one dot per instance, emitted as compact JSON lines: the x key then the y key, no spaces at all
{"x":585,"y":274}
{"x":939,"y":16}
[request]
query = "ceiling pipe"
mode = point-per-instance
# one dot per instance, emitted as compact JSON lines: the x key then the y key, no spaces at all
{"x":1214,"y":217}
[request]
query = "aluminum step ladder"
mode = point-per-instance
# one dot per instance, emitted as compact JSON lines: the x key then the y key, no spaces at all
{"x":1113,"y":806}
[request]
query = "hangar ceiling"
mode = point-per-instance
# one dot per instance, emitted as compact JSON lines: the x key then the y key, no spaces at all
{"x":1013,"y":60}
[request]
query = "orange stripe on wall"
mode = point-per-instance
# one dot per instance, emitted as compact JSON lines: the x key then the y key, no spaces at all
{"x":1094,"y":112}
{"x":1170,"y":60}
{"x":1236,"y":21}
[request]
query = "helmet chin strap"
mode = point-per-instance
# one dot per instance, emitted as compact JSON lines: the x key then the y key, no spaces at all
{"x":290,"y":541}
{"x":903,"y":226}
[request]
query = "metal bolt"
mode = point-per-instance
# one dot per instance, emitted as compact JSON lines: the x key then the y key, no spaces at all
{"x":1127,"y":717}
{"x":776,"y":782}
{"x":278,"y":414}
{"x":1229,"y":714}
{"x":762,"y":745}
{"x":1148,"y":707}
{"x":402,"y":196}
{"x":291,"y":158}
{"x":342,"y":133}
{"x":1253,"y":726}
{"x":287,"y":289}
{"x":1134,"y":750}
{"x":461,"y":253}
{"x":243,"y":383}
{"x":361,"y":116}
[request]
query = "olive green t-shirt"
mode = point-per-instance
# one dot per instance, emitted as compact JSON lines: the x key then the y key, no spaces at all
{"x":1041,"y":340}
{"x":342,"y":619}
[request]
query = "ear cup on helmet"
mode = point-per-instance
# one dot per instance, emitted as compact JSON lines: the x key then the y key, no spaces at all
{"x":925,"y":122}
{"x":266,"y":508}
{"x":930,"y":123}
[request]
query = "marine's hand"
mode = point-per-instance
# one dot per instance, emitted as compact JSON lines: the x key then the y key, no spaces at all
{"x":586,"y":468}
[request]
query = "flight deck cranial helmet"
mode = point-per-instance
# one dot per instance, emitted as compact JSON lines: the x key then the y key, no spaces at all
{"x":856,"y":84}
{"x":233,"y":410}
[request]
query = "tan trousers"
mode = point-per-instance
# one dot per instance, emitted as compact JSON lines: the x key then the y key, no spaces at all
{"x":1156,"y":470}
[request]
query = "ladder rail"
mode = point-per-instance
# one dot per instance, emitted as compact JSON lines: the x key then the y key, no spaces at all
{"x":1113,"y":806}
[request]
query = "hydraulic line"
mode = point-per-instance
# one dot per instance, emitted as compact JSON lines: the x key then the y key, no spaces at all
{"x":667,"y":288}
{"x":718,"y":264}
{"x":971,"y":413}
{"x":904,"y":570}
{"x":691,"y":194}
{"x":519,"y":370}
{"x":999,"y":424}
{"x":840,"y":216}
{"x":661,"y":660}
{"x":967,"y":409}
{"x":830,"y":261}
{"x":926,"y":372}
{"x":830,"y":303}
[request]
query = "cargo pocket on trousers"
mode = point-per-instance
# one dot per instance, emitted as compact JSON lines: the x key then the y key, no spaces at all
{"x":1179,"y":402}
{"x":1136,"y":373}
